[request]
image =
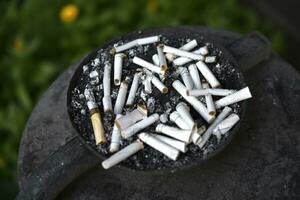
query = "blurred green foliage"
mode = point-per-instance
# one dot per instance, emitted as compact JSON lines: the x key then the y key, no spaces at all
{"x":36,"y":44}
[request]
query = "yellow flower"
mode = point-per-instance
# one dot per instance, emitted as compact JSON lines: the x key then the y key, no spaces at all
{"x":69,"y":13}
{"x":18,"y":44}
{"x":152,"y":5}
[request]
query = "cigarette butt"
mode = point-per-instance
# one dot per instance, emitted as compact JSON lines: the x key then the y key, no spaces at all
{"x":225,"y":125}
{"x":148,"y":40}
{"x":208,"y":75}
{"x":179,"y":52}
{"x":184,"y":112}
{"x":203,"y":50}
{"x":181,"y":146}
{"x":120,"y":101}
{"x":225,"y":112}
{"x":184,"y":60}
{"x":155,"y":59}
{"x":118,"y":65}
{"x":124,"y":47}
{"x":143,"y":63}
{"x":179,"y":134}
{"x":98,"y":127}
{"x":186,"y":77}
{"x":131,"y":118}
{"x":157,"y":144}
{"x":193,"y":101}
{"x":147,"y":84}
{"x":161,"y":57}
{"x":186,"y":47}
{"x":122,"y":154}
{"x":115,"y":138}
{"x":196,"y":138}
{"x":159,"y":85}
{"x":195,"y":76}
{"x":234,"y":98}
{"x":133,"y":89}
{"x":175,"y":117}
{"x":209,"y":101}
{"x":131,"y":130}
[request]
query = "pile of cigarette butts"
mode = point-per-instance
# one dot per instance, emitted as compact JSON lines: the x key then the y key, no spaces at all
{"x":197,"y":81}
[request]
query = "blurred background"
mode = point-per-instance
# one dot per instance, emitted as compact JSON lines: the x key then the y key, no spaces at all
{"x":39,"y":40}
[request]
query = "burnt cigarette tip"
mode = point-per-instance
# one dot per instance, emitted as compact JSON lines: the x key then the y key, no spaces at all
{"x":163,"y":67}
{"x":160,"y":45}
{"x":212,"y":113}
{"x":117,"y":82}
{"x":113,"y":50}
{"x":101,"y":142}
{"x":117,"y":124}
{"x":187,"y":93}
{"x":218,"y":86}
{"x":165,"y":90}
{"x":143,"y":108}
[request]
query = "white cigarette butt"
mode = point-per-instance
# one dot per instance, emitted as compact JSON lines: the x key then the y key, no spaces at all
{"x":208,"y":75}
{"x":118,"y":65}
{"x":147,"y":84}
{"x":175,"y":117}
{"x":107,"y":104}
{"x":159,"y":85}
{"x":148,"y":40}
{"x":189,"y":46}
{"x":181,"y":146}
{"x":131,"y":130}
{"x":120,"y":101}
{"x":225,"y":112}
{"x":122,"y":154}
{"x":131,"y":118}
{"x":184,"y":112}
{"x":186,"y":77}
{"x":209,"y":101}
{"x":115,"y":138}
{"x":240,"y":95}
{"x":195,"y":76}
{"x":163,"y":118}
{"x":182,"y":53}
{"x":179,"y":134}
{"x":161,"y":57}
{"x":140,"y":41}
{"x":155,"y":59}
{"x":186,"y":47}
{"x":133,"y":89}
{"x":212,"y":91}
{"x":157,"y":144}
{"x":225,"y":125}
{"x":148,"y":65}
{"x":203,"y":50}
{"x":220,"y":92}
{"x":195,"y":103}
{"x":124,"y":47}
{"x":196,"y":138}
{"x":183,"y":60}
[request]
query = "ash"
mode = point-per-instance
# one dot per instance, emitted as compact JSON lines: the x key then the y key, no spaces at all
{"x":148,"y":158}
